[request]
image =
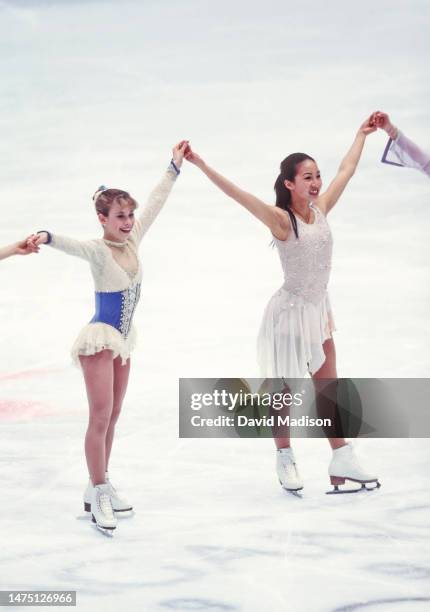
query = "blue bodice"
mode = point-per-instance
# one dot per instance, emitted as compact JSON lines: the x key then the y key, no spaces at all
{"x":116,"y":308}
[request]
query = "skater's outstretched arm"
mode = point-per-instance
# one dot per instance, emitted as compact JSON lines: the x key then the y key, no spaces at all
{"x":159,"y":194}
{"x":273,"y":217}
{"x":328,"y":199}
{"x":22,"y":247}
{"x":85,"y":249}
{"x":404,"y":151}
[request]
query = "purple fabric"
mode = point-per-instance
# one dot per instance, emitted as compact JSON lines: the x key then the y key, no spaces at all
{"x":403,"y":152}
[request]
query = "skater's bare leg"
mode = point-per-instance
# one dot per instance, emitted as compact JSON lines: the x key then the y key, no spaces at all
{"x":328,"y":371}
{"x":98,"y":375}
{"x":120,"y":382}
{"x":283,"y":440}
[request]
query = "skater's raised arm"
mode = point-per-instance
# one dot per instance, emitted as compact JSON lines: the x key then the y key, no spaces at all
{"x":405,"y":152}
{"x":328,"y":199}
{"x":274,"y":218}
{"x":22,"y":247}
{"x":159,"y":194}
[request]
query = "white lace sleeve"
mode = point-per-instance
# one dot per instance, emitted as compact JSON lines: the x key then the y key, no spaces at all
{"x":153,"y":205}
{"x":407,"y":153}
{"x":85,"y":249}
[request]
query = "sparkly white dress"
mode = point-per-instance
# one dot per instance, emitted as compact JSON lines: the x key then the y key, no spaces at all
{"x":298,"y":318}
{"x":117,"y":275}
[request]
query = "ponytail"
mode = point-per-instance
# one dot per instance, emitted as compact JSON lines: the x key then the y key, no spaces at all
{"x":283,"y":200}
{"x":283,"y":194}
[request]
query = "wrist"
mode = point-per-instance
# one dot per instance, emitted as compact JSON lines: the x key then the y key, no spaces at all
{"x":392,"y":131}
{"x":46,"y":236}
{"x":175,"y":165}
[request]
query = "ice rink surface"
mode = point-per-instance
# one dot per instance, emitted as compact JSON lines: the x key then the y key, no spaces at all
{"x":98,"y":92}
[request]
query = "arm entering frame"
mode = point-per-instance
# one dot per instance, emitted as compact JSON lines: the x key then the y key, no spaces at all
{"x":401,"y":151}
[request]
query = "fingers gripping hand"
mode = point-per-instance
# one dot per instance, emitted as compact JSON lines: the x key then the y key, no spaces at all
{"x":192,"y":156}
{"x":178,"y":152}
{"x":25,"y":247}
{"x":369,"y":125}
{"x":382,"y":120}
{"x":35,"y":240}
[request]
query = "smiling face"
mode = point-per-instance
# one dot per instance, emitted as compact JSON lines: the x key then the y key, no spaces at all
{"x":307,"y":182}
{"x":119,"y":222}
{"x":115,"y":210}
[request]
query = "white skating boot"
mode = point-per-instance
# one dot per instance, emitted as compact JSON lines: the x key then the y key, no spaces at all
{"x":119,"y":503}
{"x":344,"y":466}
{"x":288,"y":473}
{"x":101,"y":509}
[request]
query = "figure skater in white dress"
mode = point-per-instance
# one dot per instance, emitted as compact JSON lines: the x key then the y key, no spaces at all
{"x":400,"y":150}
{"x":295,"y":337}
{"x":103,"y":346}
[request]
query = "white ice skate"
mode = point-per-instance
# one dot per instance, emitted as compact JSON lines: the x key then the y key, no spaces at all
{"x":119,"y":503}
{"x":288,"y":473}
{"x":344,"y":466}
{"x":101,"y":509}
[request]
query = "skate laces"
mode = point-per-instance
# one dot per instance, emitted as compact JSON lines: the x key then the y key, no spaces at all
{"x":289,"y":466}
{"x":105,"y":505}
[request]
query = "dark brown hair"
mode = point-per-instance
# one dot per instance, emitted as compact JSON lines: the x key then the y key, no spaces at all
{"x":288,"y":171}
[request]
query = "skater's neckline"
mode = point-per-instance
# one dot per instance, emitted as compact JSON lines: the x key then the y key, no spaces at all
{"x":113,"y":243}
{"x":311,"y":206}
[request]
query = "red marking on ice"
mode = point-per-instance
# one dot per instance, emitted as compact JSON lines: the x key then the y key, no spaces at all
{"x":28,"y":374}
{"x":22,"y":410}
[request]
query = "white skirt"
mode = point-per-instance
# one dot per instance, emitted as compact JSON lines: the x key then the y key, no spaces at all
{"x":292,"y":334}
{"x":96,"y":337}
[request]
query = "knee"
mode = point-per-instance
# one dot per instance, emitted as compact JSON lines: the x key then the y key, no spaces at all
{"x":99,"y":420}
{"x":116,"y":411}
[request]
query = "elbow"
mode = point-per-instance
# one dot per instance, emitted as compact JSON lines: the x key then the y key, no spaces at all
{"x":348,"y":169}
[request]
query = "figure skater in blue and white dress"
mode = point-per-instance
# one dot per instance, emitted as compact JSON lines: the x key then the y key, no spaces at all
{"x":295,"y":337}
{"x":103,"y":346}
{"x":400,"y":150}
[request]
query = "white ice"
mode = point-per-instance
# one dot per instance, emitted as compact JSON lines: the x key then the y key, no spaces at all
{"x":98,"y":92}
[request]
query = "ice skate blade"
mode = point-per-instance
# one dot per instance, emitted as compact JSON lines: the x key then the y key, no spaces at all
{"x":296,"y":492}
{"x":337,"y":491}
{"x":123,"y":515}
{"x":124,"y":510}
{"x":87,"y":508}
{"x":108,"y":531}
